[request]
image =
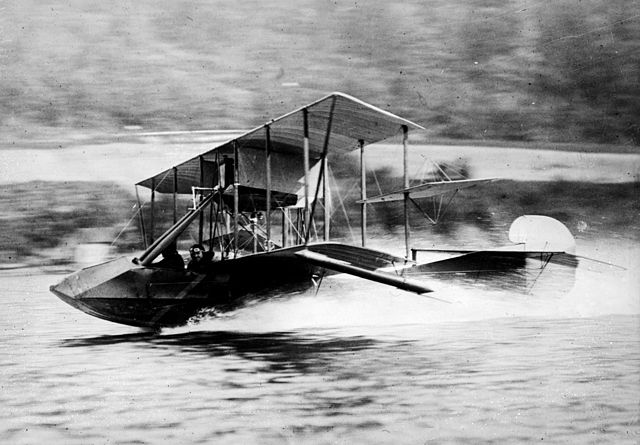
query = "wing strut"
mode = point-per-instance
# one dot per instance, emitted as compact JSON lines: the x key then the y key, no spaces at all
{"x":305,"y":115}
{"x":405,"y":162}
{"x":363,"y":191}
{"x":236,"y":198}
{"x":267,"y":154}
{"x":325,"y":150}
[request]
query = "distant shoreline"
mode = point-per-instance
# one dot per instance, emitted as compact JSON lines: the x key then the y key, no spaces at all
{"x":127,"y":163}
{"x":44,"y":221}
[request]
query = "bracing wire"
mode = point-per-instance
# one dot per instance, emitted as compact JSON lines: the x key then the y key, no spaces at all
{"x":127,"y":224}
{"x":342,"y":206}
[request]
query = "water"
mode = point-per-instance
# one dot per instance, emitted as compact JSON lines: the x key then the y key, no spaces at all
{"x":356,"y":363}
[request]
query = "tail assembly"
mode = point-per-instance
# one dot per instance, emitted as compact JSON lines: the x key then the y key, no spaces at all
{"x":537,"y":233}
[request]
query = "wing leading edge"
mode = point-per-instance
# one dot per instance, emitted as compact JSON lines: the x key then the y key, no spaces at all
{"x":360,"y":262}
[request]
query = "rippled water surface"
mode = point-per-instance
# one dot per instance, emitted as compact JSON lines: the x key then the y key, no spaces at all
{"x":356,"y":363}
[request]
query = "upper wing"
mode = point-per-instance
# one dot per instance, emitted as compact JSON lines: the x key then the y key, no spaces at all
{"x":337,"y":120}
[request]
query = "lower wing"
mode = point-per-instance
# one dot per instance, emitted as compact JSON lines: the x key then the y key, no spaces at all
{"x":355,"y":263}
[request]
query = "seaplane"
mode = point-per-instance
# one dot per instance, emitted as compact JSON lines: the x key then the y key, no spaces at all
{"x":258,"y":223}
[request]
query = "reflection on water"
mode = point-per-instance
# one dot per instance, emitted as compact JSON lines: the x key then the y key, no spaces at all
{"x":279,"y":352}
{"x":512,"y":380}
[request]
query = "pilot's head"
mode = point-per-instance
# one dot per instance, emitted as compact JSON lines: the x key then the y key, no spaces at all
{"x":196,"y":251}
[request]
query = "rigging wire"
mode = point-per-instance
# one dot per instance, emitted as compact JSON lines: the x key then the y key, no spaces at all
{"x":375,"y":177}
{"x":344,"y":209}
{"x":127,"y":224}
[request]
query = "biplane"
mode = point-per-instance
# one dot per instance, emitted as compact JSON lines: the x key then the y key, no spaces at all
{"x":260,"y":207}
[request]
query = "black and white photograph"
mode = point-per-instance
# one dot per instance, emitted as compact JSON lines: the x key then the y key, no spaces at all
{"x":319,"y":222}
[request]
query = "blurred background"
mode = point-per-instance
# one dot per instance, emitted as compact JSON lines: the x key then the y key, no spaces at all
{"x":567,"y":70}
{"x":76,"y":75}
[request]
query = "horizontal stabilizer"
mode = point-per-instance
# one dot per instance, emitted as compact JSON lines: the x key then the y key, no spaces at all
{"x":428,"y":189}
{"x":342,"y":266}
{"x":490,"y":259}
{"x":535,"y":236}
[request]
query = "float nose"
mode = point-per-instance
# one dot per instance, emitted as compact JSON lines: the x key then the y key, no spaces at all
{"x":79,"y":283}
{"x":87,"y":288}
{"x":65,"y":290}
{"x":62,"y":289}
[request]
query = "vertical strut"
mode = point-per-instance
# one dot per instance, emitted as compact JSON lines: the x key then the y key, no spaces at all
{"x":326,"y":198}
{"x":322,"y":175}
{"x":305,"y":114}
{"x":267,"y":149}
{"x":214,"y":176}
{"x":141,"y":220}
{"x":363,"y":194}
{"x":236,"y":198}
{"x":201,"y":220}
{"x":405,"y":157}
{"x":175,"y":194}
{"x":153,"y":207}
{"x":285,"y":227}
{"x":220,"y":209}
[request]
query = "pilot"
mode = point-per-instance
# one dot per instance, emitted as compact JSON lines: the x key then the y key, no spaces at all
{"x":200,"y":259}
{"x":171,"y":259}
